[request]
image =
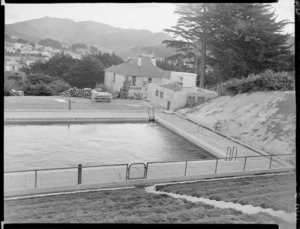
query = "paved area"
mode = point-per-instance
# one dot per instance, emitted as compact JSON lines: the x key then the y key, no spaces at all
{"x":114,"y":174}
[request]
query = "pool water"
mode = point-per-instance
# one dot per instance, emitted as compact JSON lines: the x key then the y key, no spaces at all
{"x":67,"y":145}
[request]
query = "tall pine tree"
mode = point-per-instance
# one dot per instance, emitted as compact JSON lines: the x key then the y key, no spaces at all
{"x":190,"y":34}
{"x":245,"y":38}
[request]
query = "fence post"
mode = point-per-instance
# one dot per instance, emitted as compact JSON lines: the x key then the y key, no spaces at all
{"x":69,"y":104}
{"x":216,"y":165}
{"x":185,"y":168}
{"x":127,"y":173}
{"x":270,"y":162}
{"x":245,"y":163}
{"x":146,"y":171}
{"x":79,"y":173}
{"x":35,"y":179}
{"x":198,"y":127}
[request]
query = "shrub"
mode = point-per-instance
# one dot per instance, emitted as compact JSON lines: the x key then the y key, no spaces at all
{"x":268,"y":80}
{"x":37,"y":89}
{"x":37,"y":78}
{"x":58,"y":86}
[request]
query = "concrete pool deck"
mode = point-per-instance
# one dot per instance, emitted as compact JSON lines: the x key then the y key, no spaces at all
{"x":115,"y":176}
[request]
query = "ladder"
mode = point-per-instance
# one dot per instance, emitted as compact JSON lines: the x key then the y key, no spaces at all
{"x":151,"y":113}
{"x":231,"y":153}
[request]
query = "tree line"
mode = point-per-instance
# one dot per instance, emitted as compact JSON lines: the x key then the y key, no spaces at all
{"x":81,"y":73}
{"x":235,"y":39}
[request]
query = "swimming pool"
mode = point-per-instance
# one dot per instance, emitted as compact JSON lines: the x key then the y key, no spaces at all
{"x":66,"y":145}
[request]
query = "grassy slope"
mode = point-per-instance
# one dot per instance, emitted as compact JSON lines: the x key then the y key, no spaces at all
{"x":266,"y":120}
{"x":274,"y":191}
{"x":122,"y":206}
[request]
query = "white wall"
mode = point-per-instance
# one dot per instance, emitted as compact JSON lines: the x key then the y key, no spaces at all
{"x":168,"y":95}
{"x":177,"y":99}
{"x":187,"y":79}
{"x":108,"y":81}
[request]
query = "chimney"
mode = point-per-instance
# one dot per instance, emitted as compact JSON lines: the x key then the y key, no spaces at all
{"x":153,"y":60}
{"x":139,"y":61}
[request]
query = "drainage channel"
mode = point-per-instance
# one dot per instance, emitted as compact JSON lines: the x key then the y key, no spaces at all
{"x":247,"y":209}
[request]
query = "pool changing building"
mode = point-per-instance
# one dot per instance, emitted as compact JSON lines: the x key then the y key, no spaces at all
{"x":149,"y":80}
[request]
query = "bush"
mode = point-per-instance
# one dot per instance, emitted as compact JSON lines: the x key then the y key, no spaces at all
{"x":266,"y":81}
{"x":37,"y":78}
{"x":37,"y":89}
{"x":58,"y":86}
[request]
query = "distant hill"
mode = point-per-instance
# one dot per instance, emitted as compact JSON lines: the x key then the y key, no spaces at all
{"x":88,"y":32}
{"x":160,"y":51}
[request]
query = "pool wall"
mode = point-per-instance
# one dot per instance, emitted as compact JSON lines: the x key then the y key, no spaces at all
{"x":191,"y":138}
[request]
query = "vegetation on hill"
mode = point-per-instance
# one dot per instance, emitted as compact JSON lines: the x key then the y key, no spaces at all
{"x":51,"y":43}
{"x":78,"y":46}
{"x":240,"y":39}
{"x":266,"y":81}
{"x":83,"y":73}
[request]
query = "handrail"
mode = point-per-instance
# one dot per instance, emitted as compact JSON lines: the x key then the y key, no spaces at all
{"x":228,"y":156}
{"x":234,"y":147}
{"x":154,"y":162}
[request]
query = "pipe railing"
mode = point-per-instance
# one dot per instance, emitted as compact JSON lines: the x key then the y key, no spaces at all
{"x":81,"y":168}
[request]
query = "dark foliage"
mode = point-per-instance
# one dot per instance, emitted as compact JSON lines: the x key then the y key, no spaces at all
{"x":51,"y":43}
{"x":267,"y":80}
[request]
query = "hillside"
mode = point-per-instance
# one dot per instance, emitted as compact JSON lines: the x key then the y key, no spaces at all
{"x":160,"y":51}
{"x":88,"y":32}
{"x":266,"y":120}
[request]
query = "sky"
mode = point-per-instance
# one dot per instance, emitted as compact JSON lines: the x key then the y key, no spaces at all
{"x":149,"y":16}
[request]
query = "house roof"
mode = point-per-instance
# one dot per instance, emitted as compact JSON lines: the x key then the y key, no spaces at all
{"x":147,"y":69}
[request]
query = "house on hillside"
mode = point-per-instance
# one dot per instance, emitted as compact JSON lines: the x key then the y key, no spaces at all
{"x":12,"y":79}
{"x":143,"y":71}
{"x":12,"y":65}
{"x":18,"y":45}
{"x":9,"y":47}
{"x":26,"y":49}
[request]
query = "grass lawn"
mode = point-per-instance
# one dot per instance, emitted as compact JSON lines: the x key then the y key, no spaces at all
{"x":274,"y":191}
{"x":123,"y":206}
{"x":51,"y":103}
{"x":138,"y":206}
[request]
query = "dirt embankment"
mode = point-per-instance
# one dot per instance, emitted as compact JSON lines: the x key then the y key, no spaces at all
{"x":265,"y":120}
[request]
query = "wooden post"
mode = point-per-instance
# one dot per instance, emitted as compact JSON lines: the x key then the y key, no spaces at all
{"x":270,"y":162}
{"x":79,"y":173}
{"x":35,"y":179}
{"x":69,"y":104}
{"x":245,"y":163}
{"x":185,"y":168}
{"x":216,"y":165}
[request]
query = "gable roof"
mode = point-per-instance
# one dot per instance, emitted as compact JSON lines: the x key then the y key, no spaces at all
{"x":147,"y":69}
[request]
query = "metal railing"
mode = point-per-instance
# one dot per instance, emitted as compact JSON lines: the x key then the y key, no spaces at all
{"x":152,"y":167}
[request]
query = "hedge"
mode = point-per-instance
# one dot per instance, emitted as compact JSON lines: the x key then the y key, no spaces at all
{"x":266,"y":81}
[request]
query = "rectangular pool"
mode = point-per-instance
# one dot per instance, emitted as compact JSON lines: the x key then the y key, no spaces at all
{"x":67,"y":145}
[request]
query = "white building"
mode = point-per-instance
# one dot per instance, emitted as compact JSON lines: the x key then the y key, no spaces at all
{"x":12,"y":65}
{"x":143,"y":71}
{"x":18,"y":45}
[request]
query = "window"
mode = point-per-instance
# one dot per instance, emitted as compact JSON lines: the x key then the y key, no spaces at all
{"x":149,"y":80}
{"x":133,"y":80}
{"x":114,"y":80}
{"x":157,"y":93}
{"x":161,"y":94}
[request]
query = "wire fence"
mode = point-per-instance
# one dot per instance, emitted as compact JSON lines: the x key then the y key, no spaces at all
{"x":100,"y":174}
